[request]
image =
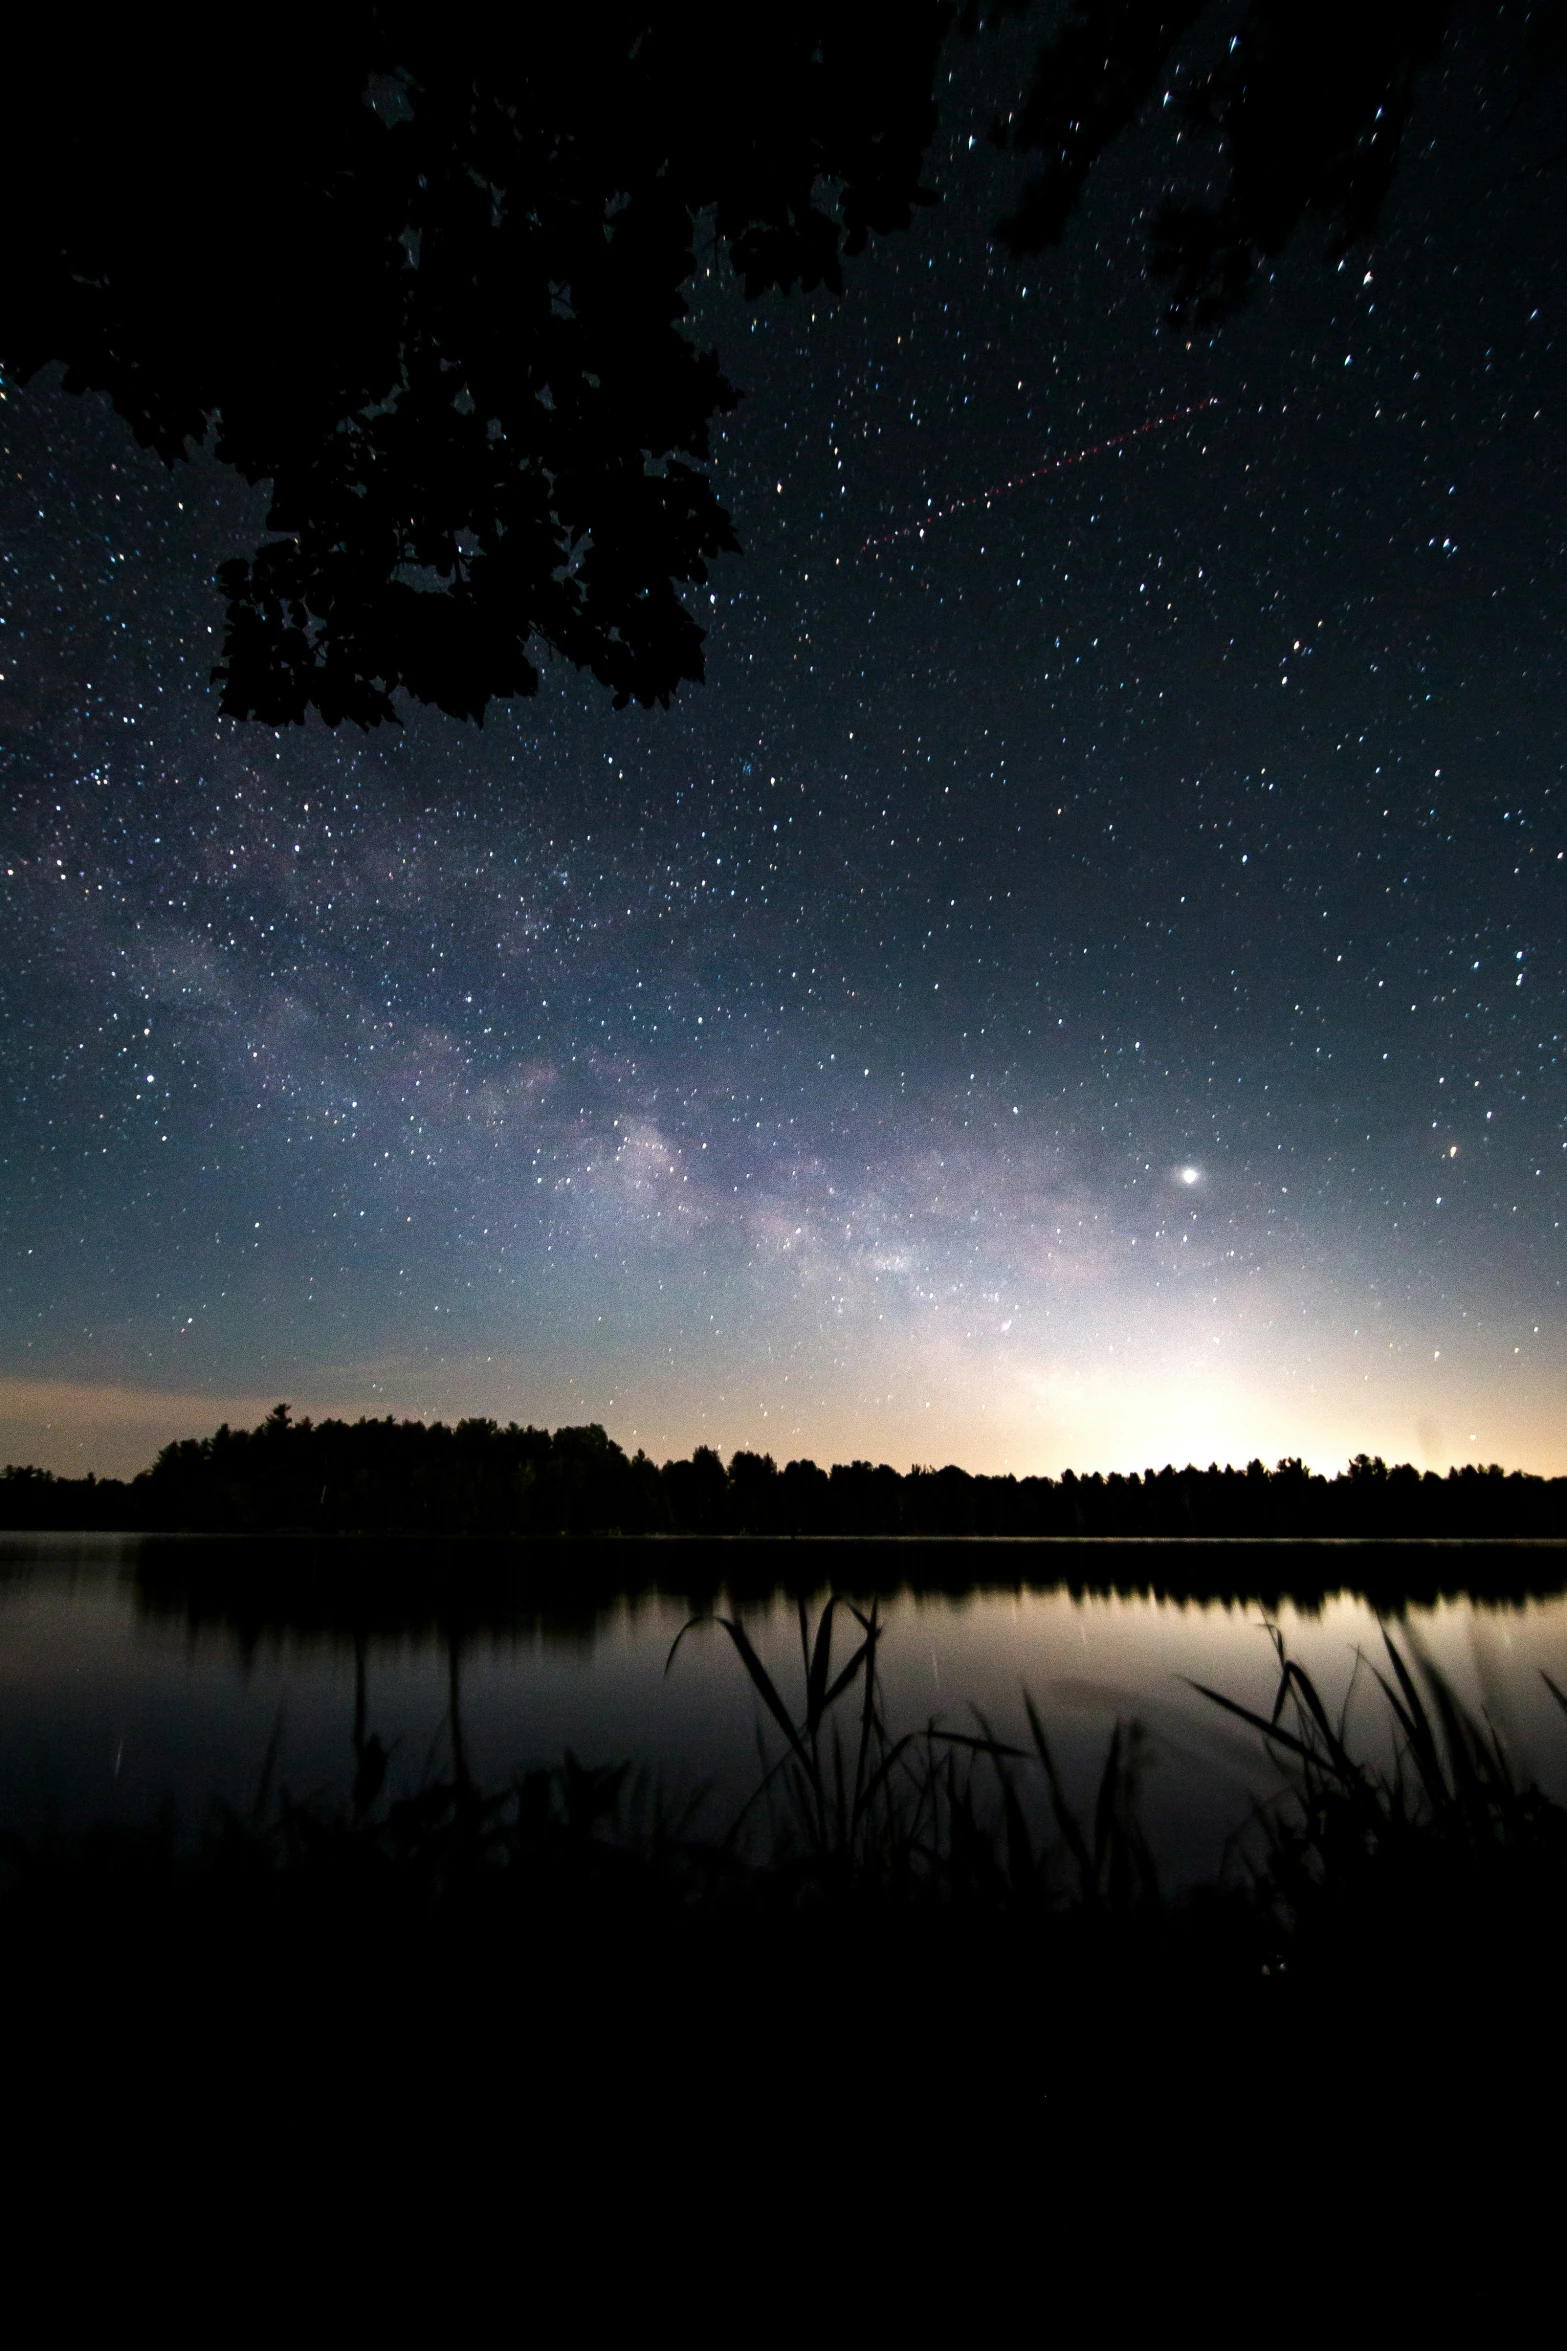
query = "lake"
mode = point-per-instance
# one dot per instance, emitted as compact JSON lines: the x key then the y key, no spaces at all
{"x":138,"y":1671}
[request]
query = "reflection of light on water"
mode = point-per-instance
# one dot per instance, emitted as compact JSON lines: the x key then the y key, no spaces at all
{"x":200,"y":1714}
{"x":1091,"y":1659}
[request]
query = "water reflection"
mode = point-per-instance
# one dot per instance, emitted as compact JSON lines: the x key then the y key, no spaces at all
{"x":135,"y":1672}
{"x":564,"y":1590}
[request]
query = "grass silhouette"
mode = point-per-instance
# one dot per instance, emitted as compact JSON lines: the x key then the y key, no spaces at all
{"x":850,"y":1815}
{"x":939,"y":1887}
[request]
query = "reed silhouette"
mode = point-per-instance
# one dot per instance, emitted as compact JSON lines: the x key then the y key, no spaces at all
{"x":936,"y":1820}
{"x":915,"y":1938}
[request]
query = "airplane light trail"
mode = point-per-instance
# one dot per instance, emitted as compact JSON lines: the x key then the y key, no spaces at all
{"x":1018,"y":481}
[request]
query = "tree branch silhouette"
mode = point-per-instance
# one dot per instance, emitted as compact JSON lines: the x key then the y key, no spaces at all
{"x":428,"y":281}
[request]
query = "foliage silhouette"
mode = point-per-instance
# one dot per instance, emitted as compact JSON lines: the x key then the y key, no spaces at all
{"x":1303,"y":111}
{"x":428,"y":281}
{"x":425,"y":277}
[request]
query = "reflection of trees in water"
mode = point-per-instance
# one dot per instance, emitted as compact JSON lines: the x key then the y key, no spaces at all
{"x":265,"y":1593}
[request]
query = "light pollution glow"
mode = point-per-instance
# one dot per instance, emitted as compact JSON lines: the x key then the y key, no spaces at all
{"x":996,"y":1310}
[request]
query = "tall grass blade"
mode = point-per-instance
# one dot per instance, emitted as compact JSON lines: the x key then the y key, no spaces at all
{"x":1274,"y":1732}
{"x":1415,"y":1719}
{"x":764,"y":1685}
{"x":258,"y":1810}
{"x":817,"y":1662}
{"x":1066,"y":1819}
{"x":690,"y":1626}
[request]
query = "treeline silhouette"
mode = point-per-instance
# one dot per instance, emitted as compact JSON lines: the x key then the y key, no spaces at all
{"x":413,"y":1477}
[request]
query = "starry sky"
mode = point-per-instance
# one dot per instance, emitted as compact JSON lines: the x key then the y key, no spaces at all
{"x":1082,"y":984}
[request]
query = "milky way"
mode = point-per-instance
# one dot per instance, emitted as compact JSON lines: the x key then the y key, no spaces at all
{"x":1081,"y":986}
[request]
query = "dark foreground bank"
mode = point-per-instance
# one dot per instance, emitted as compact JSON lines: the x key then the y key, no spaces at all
{"x":920,"y":1925}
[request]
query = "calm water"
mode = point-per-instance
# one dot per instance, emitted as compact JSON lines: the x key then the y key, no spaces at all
{"x":133,"y":1673}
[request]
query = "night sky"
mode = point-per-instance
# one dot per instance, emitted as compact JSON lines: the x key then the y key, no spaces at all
{"x":1080,"y":986}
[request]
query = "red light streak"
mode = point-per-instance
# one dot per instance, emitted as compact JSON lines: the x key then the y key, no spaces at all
{"x":1155,"y":424}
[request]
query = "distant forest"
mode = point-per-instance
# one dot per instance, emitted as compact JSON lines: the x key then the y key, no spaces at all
{"x":413,"y":1478}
